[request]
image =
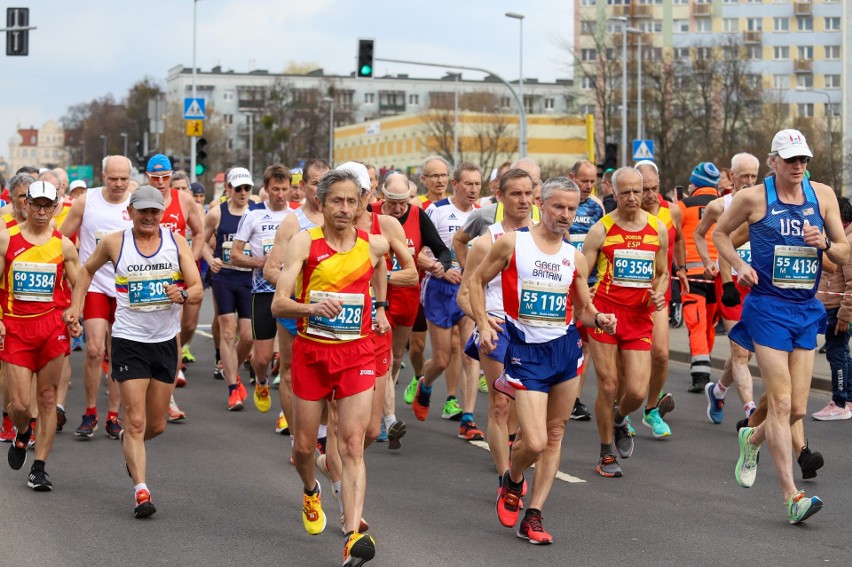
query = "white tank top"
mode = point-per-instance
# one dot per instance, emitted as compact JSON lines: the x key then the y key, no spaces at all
{"x":144,"y":313}
{"x":535,"y":290}
{"x":494,"y":288}
{"x":101,"y":218}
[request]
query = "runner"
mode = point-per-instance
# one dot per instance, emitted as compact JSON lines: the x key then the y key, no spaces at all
{"x":35,"y":259}
{"x":628,"y":246}
{"x":155,"y":273}
{"x":544,"y":350}
{"x":331,"y":269}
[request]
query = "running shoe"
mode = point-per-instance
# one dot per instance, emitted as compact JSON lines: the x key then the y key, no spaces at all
{"x":810,"y":462}
{"x":276,"y":382}
{"x":655,"y":423}
{"x":88,"y":426}
{"x":800,"y":507}
{"x":532,"y":530}
{"x":321,"y":463}
{"x":410,"y":391}
{"x":180,"y":379}
{"x":261,"y":397}
{"x":321,"y":444}
{"x":7,"y":430}
{"x":483,"y":384}
{"x":18,"y":450}
{"x":508,"y":503}
{"x":61,"y":418}
{"x":31,"y":442}
{"x":144,"y":506}
{"x":313,"y":517}
{"x":608,"y":466}
{"x":383,"y":434}
{"x":235,"y":402}
{"x":742,"y":423}
{"x":358,"y":549}
{"x":833,"y":412}
{"x":113,"y":427}
{"x":420,"y":403}
{"x":219,"y":371}
{"x":175,"y":414}
{"x":396,"y":432}
{"x":241,"y":389}
{"x":363,"y":526}
{"x":281,"y":426}
{"x":186,"y":355}
{"x":624,"y":440}
{"x":746,"y":470}
{"x":699,"y":381}
{"x":665,"y":403}
{"x":470,"y":432}
{"x":452,"y":410}
{"x":629,"y":426}
{"x":276,"y":365}
{"x":715,"y":406}
{"x":37,"y":480}
{"x":580,"y":412}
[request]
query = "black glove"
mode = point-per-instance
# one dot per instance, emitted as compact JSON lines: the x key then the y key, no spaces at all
{"x":730,"y":294}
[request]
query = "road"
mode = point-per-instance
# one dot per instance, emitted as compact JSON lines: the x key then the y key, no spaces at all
{"x":226,"y":495}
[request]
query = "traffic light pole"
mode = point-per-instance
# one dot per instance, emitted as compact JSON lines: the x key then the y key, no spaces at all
{"x":193,"y":178}
{"x":522,"y":138}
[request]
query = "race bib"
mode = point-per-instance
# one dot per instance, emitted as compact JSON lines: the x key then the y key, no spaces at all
{"x":633,"y":268}
{"x":101,"y":234}
{"x":347,"y":325}
{"x":267,"y":243}
{"x":395,"y":267}
{"x":147,"y":291}
{"x":33,"y":281}
{"x":795,"y":267}
{"x":577,"y":240}
{"x":744,"y":252}
{"x":226,"y":257}
{"x":543,"y":304}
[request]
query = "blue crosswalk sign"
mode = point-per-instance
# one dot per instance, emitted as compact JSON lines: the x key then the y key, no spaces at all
{"x":193,"y":109}
{"x":643,"y":149}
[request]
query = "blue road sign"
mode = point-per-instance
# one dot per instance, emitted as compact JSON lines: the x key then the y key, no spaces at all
{"x":643,"y":149}
{"x":193,"y":109}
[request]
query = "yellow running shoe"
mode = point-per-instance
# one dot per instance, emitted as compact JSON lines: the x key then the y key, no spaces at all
{"x":312,"y":515}
{"x":261,"y":397}
{"x":358,"y":549}
{"x":282,"y":426}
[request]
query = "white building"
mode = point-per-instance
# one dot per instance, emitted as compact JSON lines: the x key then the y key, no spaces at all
{"x":38,"y":147}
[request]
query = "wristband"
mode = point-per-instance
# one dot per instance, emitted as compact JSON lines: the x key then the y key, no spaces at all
{"x":598,"y":325}
{"x":389,"y":276}
{"x":384,"y":304}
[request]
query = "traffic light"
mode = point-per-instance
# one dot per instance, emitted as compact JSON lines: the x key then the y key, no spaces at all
{"x":200,"y":156}
{"x":610,"y":156}
{"x":365,"y":57}
{"x":141,"y":158}
{"x":18,"y":35}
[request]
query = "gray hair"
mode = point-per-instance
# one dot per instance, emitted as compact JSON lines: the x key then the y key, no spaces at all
{"x":106,"y":160}
{"x":558,"y":184}
{"x":44,"y":175}
{"x":434,"y":158}
{"x":618,"y":173}
{"x":742,"y":160}
{"x":21,"y":179}
{"x":649,"y":165}
{"x":335,"y":176}
{"x":179,"y":175}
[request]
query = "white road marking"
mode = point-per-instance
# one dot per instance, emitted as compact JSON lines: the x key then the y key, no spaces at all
{"x":559,"y":474}
{"x":203,"y":333}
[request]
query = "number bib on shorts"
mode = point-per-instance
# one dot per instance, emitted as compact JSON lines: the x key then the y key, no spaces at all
{"x":577,"y":240}
{"x":226,"y":257}
{"x":347,"y":325}
{"x":795,"y":267}
{"x":543,"y":304}
{"x":147,"y":291}
{"x":744,"y":252}
{"x":33,"y":281}
{"x":267,"y":245}
{"x":633,"y":268}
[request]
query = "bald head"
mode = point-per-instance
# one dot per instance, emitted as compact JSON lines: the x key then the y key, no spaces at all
{"x":396,"y":187}
{"x":534,"y":171}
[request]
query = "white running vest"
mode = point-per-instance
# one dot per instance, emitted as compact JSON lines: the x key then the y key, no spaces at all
{"x":494,"y":288}
{"x":101,"y":218}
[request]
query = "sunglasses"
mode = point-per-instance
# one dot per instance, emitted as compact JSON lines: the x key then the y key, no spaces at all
{"x":242,"y":188}
{"x":794,"y":159}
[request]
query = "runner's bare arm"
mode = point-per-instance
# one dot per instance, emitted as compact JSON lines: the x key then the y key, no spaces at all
{"x":272,"y":267}
{"x":195,"y":222}
{"x":494,"y":262}
{"x":581,"y":299}
{"x":478,"y":251}
{"x":392,"y":230}
{"x":661,"y":276}
{"x":75,"y":216}
{"x":191,"y":276}
{"x":106,"y":251}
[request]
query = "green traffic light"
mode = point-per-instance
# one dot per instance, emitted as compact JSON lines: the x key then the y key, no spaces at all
{"x":200,"y":168}
{"x":366,"y":70}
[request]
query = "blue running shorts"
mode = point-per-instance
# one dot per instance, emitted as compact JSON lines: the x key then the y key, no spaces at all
{"x":439,"y":303}
{"x":540,"y":366}
{"x":778,"y":324}
{"x":498,"y":354}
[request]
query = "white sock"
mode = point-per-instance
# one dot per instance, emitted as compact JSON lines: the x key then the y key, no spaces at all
{"x":138,"y":487}
{"x":389,"y":420}
{"x":323,"y":431}
{"x":60,"y":407}
{"x":749,"y":409}
{"x":292,"y":441}
{"x":719,"y":391}
{"x":335,"y":488}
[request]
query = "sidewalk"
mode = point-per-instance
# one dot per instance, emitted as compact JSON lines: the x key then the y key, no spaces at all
{"x":679,"y":352}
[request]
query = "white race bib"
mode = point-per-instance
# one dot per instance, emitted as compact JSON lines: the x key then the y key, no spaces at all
{"x":226,"y":257}
{"x":543,"y":304}
{"x":633,"y":268}
{"x":346,"y":326}
{"x":33,"y":281}
{"x":147,"y":291}
{"x":795,"y":267}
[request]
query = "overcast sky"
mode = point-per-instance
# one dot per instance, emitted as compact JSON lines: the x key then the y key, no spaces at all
{"x":88,"y":48}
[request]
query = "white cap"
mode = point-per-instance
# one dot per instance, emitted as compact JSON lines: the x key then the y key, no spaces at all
{"x":42,"y":189}
{"x":790,"y":143}
{"x":360,"y":171}
{"x":239,"y":176}
{"x":77,"y":183}
{"x":648,"y":163}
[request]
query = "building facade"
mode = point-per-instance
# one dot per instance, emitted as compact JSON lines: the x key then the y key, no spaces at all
{"x":38,"y":147}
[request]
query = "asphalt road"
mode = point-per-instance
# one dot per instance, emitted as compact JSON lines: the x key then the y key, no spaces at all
{"x":226,"y":495}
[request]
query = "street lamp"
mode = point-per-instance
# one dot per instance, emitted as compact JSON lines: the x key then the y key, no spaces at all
{"x":522,"y":150}
{"x":330,"y":101}
{"x":194,"y":139}
{"x":829,"y":110}
{"x":104,"y":140}
{"x":124,"y":135}
{"x":626,"y":30}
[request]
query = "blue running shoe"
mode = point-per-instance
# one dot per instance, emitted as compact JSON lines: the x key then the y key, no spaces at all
{"x":715,"y":406}
{"x":383,"y":435}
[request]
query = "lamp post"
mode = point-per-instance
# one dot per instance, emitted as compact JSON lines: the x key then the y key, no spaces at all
{"x":104,"y":140}
{"x":124,"y":135}
{"x":194,"y":139}
{"x":828,"y":113}
{"x":626,"y":30}
{"x":330,"y":101}
{"x":522,"y":150}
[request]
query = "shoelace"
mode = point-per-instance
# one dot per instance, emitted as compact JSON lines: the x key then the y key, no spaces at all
{"x":534,"y":522}
{"x":510,"y":501}
{"x":608,"y":460}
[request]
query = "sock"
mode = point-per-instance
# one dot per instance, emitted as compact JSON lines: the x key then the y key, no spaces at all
{"x":512,"y":484}
{"x":263,"y":382}
{"x":232,"y":388}
{"x":323,"y":431}
{"x":218,"y":358}
{"x":467,"y":417}
{"x":424,"y":389}
{"x":38,"y":466}
{"x":92,"y":411}
{"x":335,"y":487}
{"x":607,"y":449}
{"x":649,"y":410}
{"x":292,"y":441}
{"x":138,"y":487}
{"x":719,"y":391}
{"x":60,"y":407}
{"x":389,"y":420}
{"x":532,"y":512}
{"x":619,"y":419}
{"x":112,"y":414}
{"x":512,"y":437}
{"x":449,"y":398}
{"x":314,"y":491}
{"x":749,"y":409}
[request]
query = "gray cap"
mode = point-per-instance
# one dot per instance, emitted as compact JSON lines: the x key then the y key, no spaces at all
{"x":147,"y":197}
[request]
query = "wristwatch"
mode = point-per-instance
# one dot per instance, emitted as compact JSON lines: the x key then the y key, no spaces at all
{"x":827,"y":245}
{"x":185,"y":295}
{"x":384,"y":304}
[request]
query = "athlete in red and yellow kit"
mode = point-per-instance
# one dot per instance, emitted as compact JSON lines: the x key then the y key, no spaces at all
{"x":629,"y":248}
{"x":35,"y":260}
{"x":330,"y":270}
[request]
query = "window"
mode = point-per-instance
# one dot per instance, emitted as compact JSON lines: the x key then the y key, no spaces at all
{"x":369,"y":98}
{"x":833,"y":109}
{"x":832,"y":52}
{"x":781,"y":24}
{"x":731,"y":25}
{"x":680,"y":26}
{"x":588,"y":54}
{"x":805,"y":109}
{"x":806,"y":51}
{"x":676,"y":2}
{"x":781,"y":52}
{"x":832,"y":23}
{"x":804,"y":81}
{"x":781,"y":81}
{"x":587,"y":109}
{"x":832,"y":81}
{"x":413,"y":99}
{"x":228,"y":118}
{"x":549,"y":103}
{"x":587,"y":83}
{"x":754,"y":52}
{"x":753,"y":80}
{"x":703,"y":53}
{"x":587,"y":27}
{"x":587,"y":2}
{"x":505,"y":102}
{"x":229,"y":95}
{"x":651,"y":26}
{"x":805,"y":23}
{"x":681,"y":53}
{"x":704,"y":25}
{"x":754,"y":24}
{"x":730,"y":1}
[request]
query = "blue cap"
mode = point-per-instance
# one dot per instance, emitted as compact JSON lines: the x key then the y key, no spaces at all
{"x":705,"y":174}
{"x":159,"y":164}
{"x":197,"y":188}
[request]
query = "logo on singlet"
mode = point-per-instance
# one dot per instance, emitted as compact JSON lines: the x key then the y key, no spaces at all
{"x":774,"y":212}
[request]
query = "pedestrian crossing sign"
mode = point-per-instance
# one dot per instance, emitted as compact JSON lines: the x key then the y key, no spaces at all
{"x":643,"y":149}
{"x":193,"y":109}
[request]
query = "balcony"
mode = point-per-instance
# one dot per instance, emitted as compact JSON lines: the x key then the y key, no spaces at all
{"x":247,"y":104}
{"x":702,"y":10}
{"x":803,"y":65}
{"x":752,"y":37}
{"x":642,"y":11}
{"x":633,"y":11}
{"x":620,"y":11}
{"x":803,"y":8}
